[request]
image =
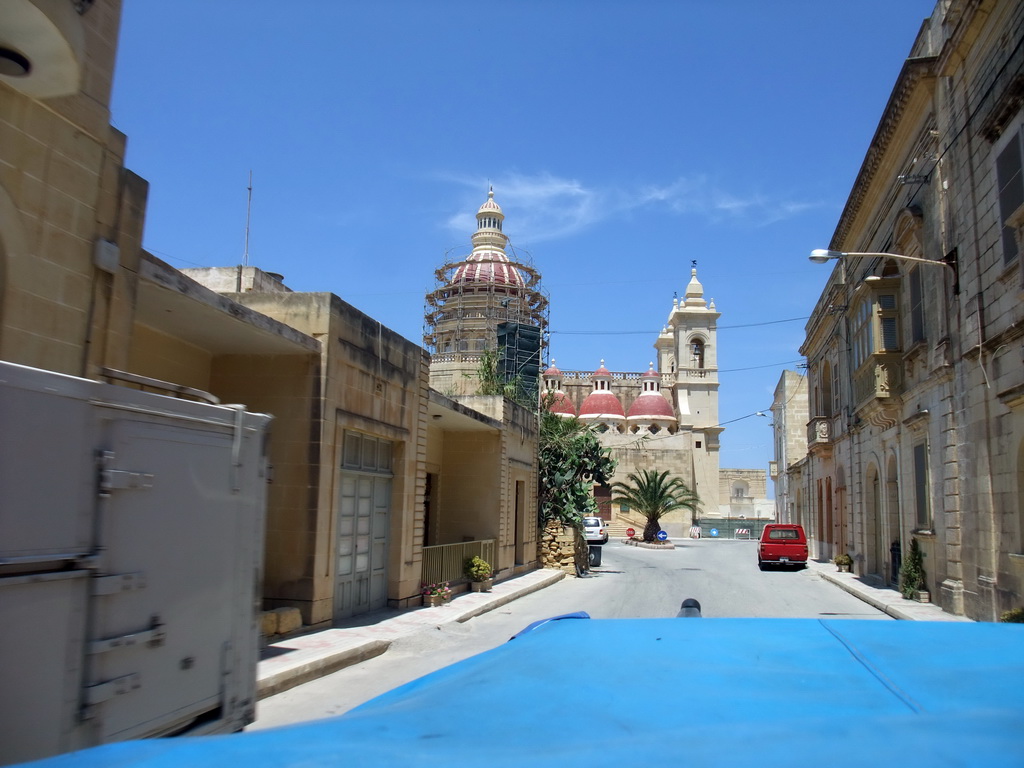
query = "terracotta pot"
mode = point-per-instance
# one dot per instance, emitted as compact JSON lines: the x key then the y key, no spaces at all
{"x":432,"y":601}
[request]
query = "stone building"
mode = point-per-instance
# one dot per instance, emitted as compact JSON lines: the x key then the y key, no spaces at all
{"x":789,"y":430}
{"x":665,"y":418}
{"x":376,"y":477}
{"x":916,"y":428}
{"x":485,"y":301}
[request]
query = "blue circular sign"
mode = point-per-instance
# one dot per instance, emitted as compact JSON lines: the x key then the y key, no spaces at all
{"x":714,"y":531}
{"x":662,"y":535}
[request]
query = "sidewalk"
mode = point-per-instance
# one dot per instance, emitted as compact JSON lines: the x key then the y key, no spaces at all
{"x":887,"y":600}
{"x":298,"y":660}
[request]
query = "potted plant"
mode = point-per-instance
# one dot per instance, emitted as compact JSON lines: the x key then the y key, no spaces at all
{"x":843,"y":562}
{"x":436,"y":594}
{"x":912,"y":575}
{"x":479,"y":573}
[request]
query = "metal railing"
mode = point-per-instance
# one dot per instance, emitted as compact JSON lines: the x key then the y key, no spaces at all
{"x":445,"y":562}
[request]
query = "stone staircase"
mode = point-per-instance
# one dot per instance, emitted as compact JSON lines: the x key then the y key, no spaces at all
{"x":623,"y":520}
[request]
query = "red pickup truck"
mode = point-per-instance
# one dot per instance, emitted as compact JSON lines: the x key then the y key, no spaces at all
{"x":783,"y":544}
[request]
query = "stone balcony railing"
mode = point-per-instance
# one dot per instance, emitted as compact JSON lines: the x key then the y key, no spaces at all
{"x":820,"y":432}
{"x":880,"y":378}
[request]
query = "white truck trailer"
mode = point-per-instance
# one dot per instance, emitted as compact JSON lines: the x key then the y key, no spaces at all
{"x":131,"y":545}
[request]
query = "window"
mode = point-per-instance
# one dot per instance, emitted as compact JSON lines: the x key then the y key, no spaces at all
{"x":825,"y":406}
{"x":888,"y":321}
{"x":698,"y":353}
{"x":916,"y":306}
{"x":1010,"y":183}
{"x":835,"y":389}
{"x":861,"y":333}
{"x":874,"y":325}
{"x":922,"y":507}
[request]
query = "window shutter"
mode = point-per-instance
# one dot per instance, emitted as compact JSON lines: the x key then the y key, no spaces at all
{"x":888,"y":323}
{"x":916,"y":306}
{"x":890,"y":334}
{"x":1011,"y":193}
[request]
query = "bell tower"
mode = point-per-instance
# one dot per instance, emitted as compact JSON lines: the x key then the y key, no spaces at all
{"x":693,"y":329}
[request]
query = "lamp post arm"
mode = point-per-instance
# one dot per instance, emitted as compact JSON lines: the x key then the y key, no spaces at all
{"x":820,"y":256}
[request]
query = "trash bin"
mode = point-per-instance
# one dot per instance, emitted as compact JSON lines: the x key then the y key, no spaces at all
{"x":595,"y":555}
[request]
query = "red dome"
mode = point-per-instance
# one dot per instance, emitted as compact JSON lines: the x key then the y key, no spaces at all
{"x":651,"y":405}
{"x":601,"y":403}
{"x":552,"y":373}
{"x":562,"y":405}
{"x":488,"y":267}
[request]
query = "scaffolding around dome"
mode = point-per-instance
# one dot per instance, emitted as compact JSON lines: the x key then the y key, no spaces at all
{"x":486,"y":301}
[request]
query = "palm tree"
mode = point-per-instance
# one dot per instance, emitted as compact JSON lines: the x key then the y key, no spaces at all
{"x":653,"y":494}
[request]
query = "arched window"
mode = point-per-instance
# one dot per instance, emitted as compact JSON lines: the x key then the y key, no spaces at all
{"x":825,"y":406}
{"x":697,"y":353}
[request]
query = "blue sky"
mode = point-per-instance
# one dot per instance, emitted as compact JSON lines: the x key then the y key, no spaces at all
{"x":623,"y":140}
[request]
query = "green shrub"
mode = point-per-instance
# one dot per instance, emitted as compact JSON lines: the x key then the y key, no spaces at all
{"x":1013,"y":616}
{"x":912,"y":571}
{"x":477,"y":569}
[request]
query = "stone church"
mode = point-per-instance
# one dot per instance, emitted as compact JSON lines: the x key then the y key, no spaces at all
{"x":665,"y":418}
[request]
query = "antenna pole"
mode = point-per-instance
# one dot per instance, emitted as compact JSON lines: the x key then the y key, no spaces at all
{"x":248,"y":212}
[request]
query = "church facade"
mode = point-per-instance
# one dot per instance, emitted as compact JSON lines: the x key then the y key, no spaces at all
{"x":665,"y":418}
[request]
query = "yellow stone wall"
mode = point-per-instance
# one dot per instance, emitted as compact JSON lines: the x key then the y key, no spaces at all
{"x":63,"y":186}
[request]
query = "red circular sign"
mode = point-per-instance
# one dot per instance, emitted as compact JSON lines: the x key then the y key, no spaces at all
{"x":630,"y":532}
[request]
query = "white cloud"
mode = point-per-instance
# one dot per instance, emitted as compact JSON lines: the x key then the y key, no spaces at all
{"x":548,"y":207}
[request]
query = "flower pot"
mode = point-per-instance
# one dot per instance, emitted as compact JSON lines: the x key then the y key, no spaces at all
{"x":843,"y":568}
{"x":432,"y":601}
{"x":922,"y":596}
{"x":482,"y":586}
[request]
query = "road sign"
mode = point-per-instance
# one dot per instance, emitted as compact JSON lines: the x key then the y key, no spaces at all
{"x":714,"y":531}
{"x":630,"y":532}
{"x":662,"y":535}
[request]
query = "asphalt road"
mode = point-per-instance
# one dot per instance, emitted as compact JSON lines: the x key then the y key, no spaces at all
{"x":630,"y":583}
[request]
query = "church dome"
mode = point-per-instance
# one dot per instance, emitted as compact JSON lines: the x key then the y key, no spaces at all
{"x":552,"y":372}
{"x":602,"y":404}
{"x":651,"y":405}
{"x":489,"y":205}
{"x":488,"y":262}
{"x":488,"y":267}
{"x":561,"y":404}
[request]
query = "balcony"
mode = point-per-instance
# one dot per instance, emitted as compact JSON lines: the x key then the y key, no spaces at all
{"x":880,"y":378}
{"x":820,"y":434}
{"x":773,"y":470}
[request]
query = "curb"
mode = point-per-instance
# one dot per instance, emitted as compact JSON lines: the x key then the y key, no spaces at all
{"x":888,"y":601}
{"x":322,"y":653}
{"x":501,"y":600}
{"x":648,"y":545}
{"x":279,"y":682}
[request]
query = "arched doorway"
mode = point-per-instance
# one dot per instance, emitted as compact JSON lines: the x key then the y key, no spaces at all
{"x":873,"y":519}
{"x":892,"y":534}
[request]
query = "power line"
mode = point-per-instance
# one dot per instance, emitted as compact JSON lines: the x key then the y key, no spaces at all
{"x":654,"y":333}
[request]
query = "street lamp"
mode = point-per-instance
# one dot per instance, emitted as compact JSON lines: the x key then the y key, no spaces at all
{"x":820,"y":256}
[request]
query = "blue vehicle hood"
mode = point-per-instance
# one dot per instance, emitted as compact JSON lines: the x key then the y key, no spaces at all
{"x":695,"y":692}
